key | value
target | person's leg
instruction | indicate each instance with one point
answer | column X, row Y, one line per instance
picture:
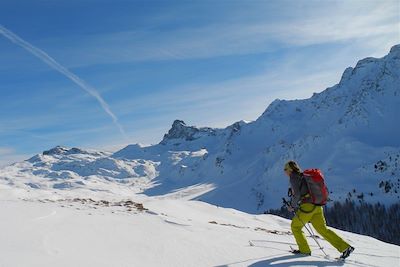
column 318, row 221
column 297, row 225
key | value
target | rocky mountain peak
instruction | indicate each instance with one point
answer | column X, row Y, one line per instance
column 61, row 150
column 180, row 130
column 58, row 150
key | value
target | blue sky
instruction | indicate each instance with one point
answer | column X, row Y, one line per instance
column 209, row 63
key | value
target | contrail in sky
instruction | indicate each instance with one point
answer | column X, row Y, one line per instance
column 58, row 67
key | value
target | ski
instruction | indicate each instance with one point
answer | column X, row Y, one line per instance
column 297, row 252
column 327, row 257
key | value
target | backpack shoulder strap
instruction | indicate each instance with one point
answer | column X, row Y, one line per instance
column 302, row 184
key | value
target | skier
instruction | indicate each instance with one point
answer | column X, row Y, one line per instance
column 309, row 212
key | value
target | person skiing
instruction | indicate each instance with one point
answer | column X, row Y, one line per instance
column 306, row 211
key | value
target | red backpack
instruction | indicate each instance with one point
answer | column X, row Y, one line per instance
column 316, row 186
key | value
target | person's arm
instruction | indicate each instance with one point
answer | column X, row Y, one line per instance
column 295, row 185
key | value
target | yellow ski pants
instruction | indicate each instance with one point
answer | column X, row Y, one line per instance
column 307, row 213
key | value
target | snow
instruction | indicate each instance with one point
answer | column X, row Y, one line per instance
column 172, row 232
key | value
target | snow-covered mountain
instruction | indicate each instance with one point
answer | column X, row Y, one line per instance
column 349, row 130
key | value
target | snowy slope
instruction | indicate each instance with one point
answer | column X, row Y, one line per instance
column 349, row 130
column 92, row 231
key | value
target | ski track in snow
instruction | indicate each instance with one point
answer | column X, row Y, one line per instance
column 188, row 193
column 45, row 216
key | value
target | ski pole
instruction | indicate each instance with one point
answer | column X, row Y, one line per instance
column 310, row 232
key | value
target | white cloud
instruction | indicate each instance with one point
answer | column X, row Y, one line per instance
column 6, row 150
column 323, row 23
column 222, row 103
column 8, row 155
